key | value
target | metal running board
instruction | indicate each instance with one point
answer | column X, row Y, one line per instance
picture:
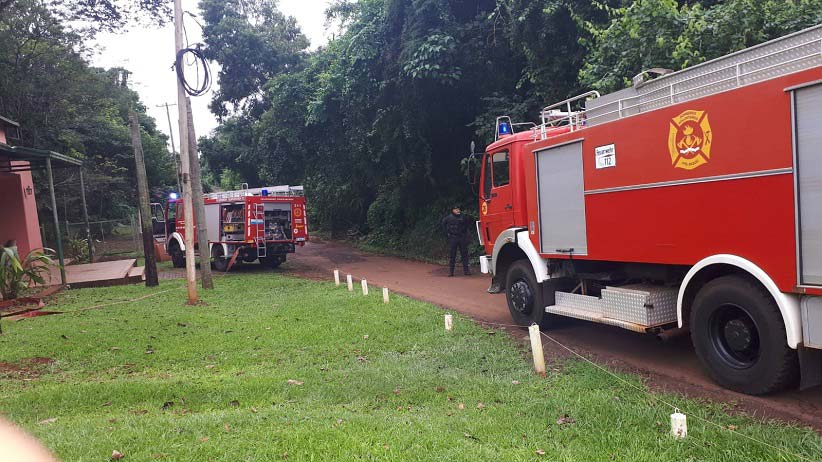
column 586, row 315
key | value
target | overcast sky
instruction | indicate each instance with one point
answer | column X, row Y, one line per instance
column 149, row 54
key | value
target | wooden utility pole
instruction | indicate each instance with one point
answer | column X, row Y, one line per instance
column 144, row 205
column 188, row 209
column 173, row 148
column 199, row 206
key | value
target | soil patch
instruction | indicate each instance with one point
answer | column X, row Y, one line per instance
column 26, row 369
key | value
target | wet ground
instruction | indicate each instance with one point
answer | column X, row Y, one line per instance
column 666, row 366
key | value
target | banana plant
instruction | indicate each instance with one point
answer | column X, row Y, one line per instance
column 17, row 276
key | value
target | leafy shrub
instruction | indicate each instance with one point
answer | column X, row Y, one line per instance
column 17, row 276
column 77, row 250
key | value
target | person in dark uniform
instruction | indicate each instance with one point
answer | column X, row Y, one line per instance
column 456, row 230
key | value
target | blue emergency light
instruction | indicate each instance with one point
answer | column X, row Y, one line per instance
column 504, row 128
column 173, row 196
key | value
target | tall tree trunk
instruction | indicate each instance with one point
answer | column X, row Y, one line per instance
column 144, row 205
column 199, row 206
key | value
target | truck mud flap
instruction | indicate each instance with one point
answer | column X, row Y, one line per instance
column 810, row 366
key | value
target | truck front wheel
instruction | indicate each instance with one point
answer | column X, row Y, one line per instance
column 524, row 295
column 178, row 257
column 739, row 336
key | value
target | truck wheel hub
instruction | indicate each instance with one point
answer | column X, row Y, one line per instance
column 736, row 336
column 521, row 296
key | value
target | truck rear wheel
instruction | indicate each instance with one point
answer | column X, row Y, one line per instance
column 524, row 295
column 273, row 261
column 178, row 257
column 739, row 336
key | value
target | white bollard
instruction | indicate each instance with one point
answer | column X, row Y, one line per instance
column 350, row 283
column 337, row 277
column 449, row 322
column 679, row 425
column 364, row 287
column 385, row 294
column 536, row 350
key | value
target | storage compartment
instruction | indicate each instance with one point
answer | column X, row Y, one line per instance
column 643, row 304
column 278, row 221
column 232, row 222
column 562, row 200
column 808, row 170
column 635, row 307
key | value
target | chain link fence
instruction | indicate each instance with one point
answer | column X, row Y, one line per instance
column 109, row 238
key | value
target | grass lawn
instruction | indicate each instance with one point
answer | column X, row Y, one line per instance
column 155, row 379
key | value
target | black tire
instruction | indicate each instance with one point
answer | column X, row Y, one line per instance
column 739, row 336
column 178, row 258
column 218, row 258
column 524, row 295
column 273, row 261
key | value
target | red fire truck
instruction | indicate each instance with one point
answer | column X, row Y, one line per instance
column 691, row 201
column 262, row 224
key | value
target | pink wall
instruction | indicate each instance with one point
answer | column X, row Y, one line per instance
column 19, row 219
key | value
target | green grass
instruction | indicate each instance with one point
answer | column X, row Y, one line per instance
column 394, row 395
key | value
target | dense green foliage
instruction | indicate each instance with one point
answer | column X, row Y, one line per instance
column 65, row 105
column 156, row 380
column 376, row 122
column 665, row 33
column 99, row 15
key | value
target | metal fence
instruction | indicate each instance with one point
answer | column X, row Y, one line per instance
column 108, row 237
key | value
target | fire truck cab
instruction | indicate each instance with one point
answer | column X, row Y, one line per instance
column 690, row 202
column 246, row 225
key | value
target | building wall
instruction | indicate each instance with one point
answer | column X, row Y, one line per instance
column 18, row 208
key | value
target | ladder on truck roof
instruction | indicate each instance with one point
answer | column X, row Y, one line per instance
column 271, row 191
column 776, row 58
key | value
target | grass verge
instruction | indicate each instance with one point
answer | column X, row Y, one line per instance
column 156, row 379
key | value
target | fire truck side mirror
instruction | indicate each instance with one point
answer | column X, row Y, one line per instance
column 471, row 167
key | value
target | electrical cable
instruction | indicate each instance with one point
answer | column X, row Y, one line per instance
column 199, row 61
column 193, row 56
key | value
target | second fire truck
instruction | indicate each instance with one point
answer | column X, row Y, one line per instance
column 247, row 225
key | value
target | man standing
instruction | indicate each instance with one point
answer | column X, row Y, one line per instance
column 456, row 230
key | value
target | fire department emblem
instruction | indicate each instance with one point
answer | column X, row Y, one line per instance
column 484, row 208
column 690, row 139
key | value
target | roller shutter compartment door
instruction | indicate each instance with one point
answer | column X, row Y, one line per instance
column 808, row 132
column 562, row 200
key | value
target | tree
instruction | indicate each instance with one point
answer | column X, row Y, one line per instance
column 65, row 105
column 376, row 123
column 253, row 42
column 100, row 15
column 665, row 33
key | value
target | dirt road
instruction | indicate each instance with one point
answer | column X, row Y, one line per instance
column 666, row 366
